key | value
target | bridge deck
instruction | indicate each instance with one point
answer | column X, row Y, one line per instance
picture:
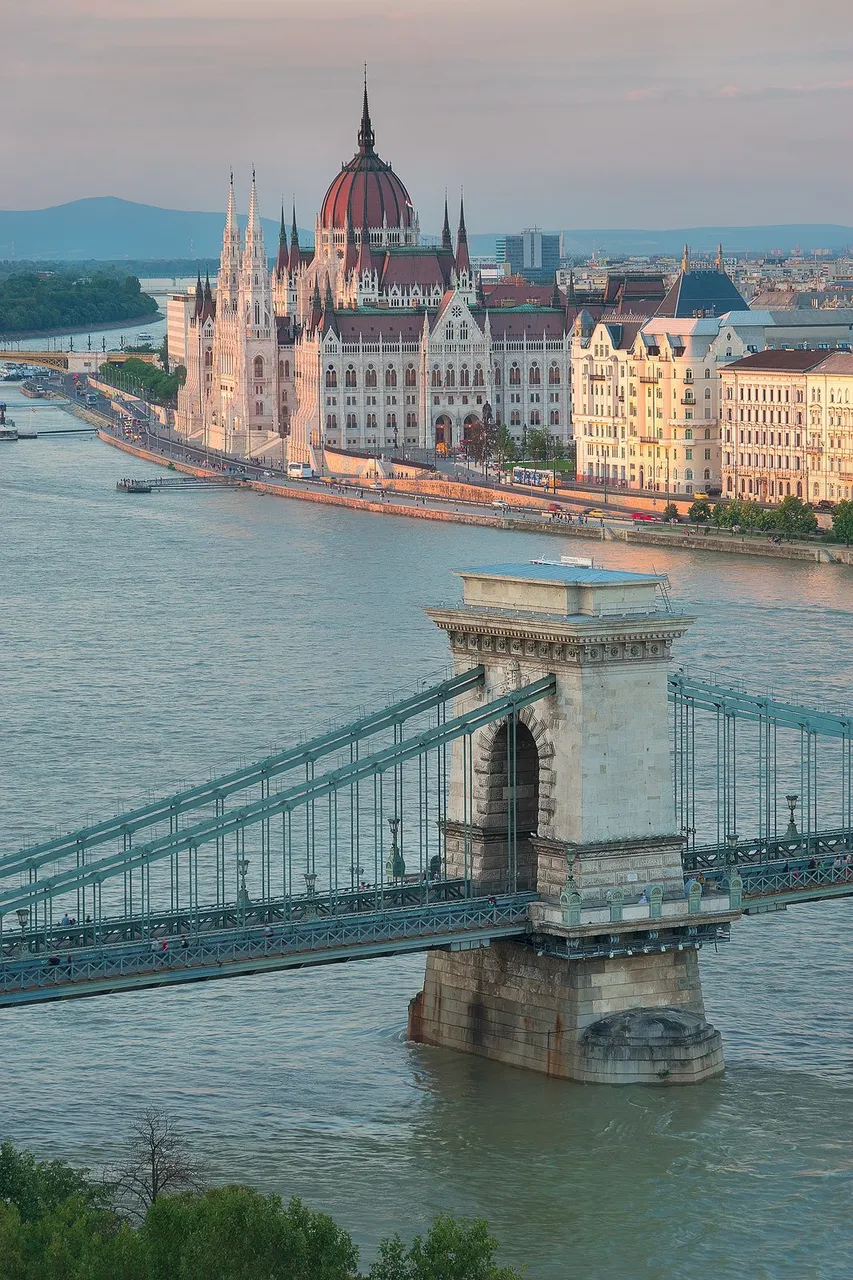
column 100, row 970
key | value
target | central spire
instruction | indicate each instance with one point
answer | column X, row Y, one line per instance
column 366, row 137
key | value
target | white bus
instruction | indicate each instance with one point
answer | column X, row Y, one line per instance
column 299, row 471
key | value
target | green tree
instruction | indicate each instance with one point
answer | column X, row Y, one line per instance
column 794, row 517
column 504, row 445
column 842, row 522
column 670, row 513
column 700, row 511
column 451, row 1250
column 235, row 1233
column 35, row 1187
column 537, row 444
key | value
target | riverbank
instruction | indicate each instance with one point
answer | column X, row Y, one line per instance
column 130, row 322
column 677, row 538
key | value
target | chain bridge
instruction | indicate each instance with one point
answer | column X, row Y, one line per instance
column 558, row 842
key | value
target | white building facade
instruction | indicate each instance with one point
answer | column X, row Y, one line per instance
column 373, row 341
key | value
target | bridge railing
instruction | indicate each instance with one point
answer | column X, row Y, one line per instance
column 110, row 968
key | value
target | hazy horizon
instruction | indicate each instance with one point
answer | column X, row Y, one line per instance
column 624, row 117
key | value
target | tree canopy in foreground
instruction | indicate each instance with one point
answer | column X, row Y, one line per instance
column 59, row 1223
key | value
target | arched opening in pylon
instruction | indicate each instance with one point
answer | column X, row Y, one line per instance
column 513, row 801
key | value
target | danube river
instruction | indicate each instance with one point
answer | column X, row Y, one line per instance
column 146, row 640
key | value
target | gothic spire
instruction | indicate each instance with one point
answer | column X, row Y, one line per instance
column 208, row 292
column 366, row 137
column 463, row 261
column 446, row 241
column 282, row 261
column 295, row 253
column 720, row 265
column 199, row 296
column 328, row 300
column 685, row 258
column 231, row 215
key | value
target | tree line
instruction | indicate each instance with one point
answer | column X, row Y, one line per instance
column 144, row 379
column 792, row 518
column 151, row 1216
column 32, row 301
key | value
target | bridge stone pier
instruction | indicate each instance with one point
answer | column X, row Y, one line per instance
column 573, row 800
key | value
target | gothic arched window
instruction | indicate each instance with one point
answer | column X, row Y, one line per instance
column 535, row 378
column 411, row 377
column 497, row 377
column 436, row 377
column 390, row 377
column 450, row 377
column 478, row 375
column 350, row 379
column 331, row 376
column 464, row 376
column 258, row 366
column 515, row 375
column 554, row 375
column 370, row 376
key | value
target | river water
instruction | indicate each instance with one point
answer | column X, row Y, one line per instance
column 148, row 640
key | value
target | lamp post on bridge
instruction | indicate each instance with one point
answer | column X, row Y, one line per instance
column 731, row 849
column 395, row 867
column 243, row 899
column 792, row 833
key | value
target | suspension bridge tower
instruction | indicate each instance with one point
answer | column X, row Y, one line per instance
column 572, row 799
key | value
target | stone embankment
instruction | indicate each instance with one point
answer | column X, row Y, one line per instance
column 676, row 538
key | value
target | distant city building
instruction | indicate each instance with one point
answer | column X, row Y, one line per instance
column 647, row 391
column 373, row 341
column 534, row 255
column 788, row 426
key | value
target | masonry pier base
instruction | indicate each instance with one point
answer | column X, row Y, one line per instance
column 626, row 1020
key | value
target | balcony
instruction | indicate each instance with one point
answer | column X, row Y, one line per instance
column 814, row 448
column 652, row 379
column 650, row 440
column 688, row 400
column 597, row 377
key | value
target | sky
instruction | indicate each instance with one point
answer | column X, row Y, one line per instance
column 559, row 113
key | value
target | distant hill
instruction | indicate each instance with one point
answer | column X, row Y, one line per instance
column 109, row 229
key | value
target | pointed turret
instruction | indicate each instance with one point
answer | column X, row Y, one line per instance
column 231, row 258
column 282, row 261
column 570, row 296
column 685, row 259
column 295, row 251
column 208, row 306
column 328, row 299
column 446, row 241
column 557, row 299
column 463, row 261
column 719, row 264
column 316, row 306
column 199, row 298
column 366, row 136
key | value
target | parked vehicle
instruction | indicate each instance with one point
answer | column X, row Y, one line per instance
column 647, row 517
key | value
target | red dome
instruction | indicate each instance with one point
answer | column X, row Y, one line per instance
column 366, row 188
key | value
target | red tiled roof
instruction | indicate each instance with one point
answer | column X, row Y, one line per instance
column 407, row 268
column 369, row 325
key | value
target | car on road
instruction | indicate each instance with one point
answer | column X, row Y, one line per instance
column 647, row 516
column 598, row 514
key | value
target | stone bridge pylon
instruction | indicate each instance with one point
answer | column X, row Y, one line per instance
column 573, row 800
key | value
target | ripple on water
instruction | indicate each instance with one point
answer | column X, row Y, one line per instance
column 149, row 642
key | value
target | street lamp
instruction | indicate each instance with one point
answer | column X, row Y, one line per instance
column 792, row 833
column 23, row 914
column 396, row 867
column 731, row 849
column 310, row 883
column 243, row 899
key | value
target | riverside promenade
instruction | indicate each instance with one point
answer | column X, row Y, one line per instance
column 432, row 499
